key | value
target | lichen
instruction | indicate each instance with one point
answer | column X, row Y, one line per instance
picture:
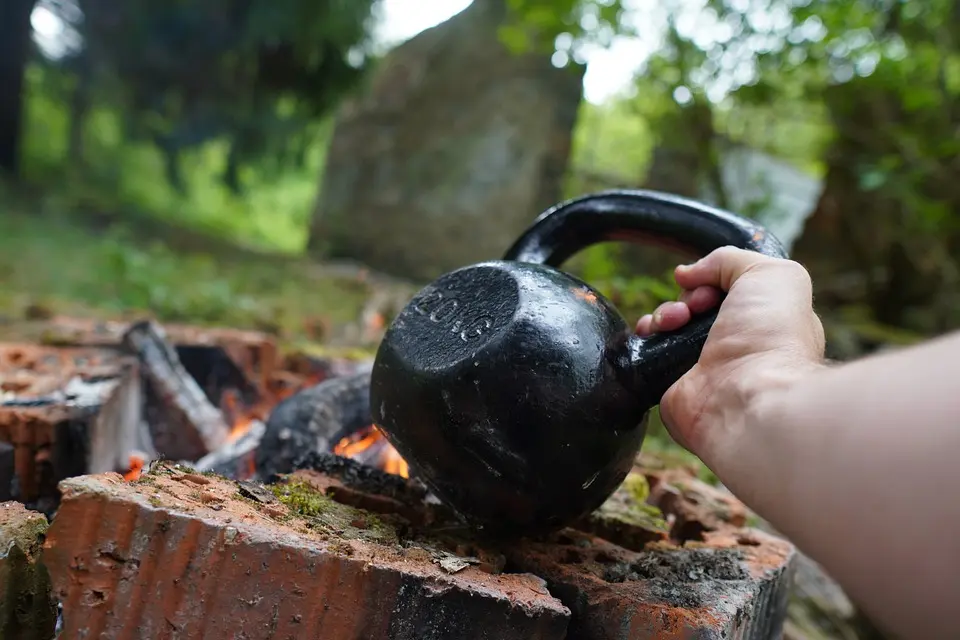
column 319, row 512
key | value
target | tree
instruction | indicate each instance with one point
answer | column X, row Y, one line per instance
column 15, row 31
column 254, row 73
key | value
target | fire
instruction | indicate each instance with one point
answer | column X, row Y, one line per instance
column 135, row 467
column 367, row 445
column 370, row 447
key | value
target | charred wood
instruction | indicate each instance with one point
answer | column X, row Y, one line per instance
column 314, row 420
column 237, row 458
column 184, row 423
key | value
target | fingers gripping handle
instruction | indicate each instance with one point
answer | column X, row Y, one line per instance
column 654, row 364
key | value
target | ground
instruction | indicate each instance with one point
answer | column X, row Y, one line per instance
column 61, row 261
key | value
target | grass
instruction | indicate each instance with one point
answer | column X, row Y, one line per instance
column 55, row 259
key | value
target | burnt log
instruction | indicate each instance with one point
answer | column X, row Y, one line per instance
column 218, row 358
column 7, row 471
column 314, row 420
column 183, row 422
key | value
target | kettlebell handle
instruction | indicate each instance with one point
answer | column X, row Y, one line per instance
column 637, row 216
column 650, row 365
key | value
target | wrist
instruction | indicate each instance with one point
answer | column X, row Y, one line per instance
column 750, row 425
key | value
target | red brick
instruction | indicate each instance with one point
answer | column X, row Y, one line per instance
column 254, row 352
column 691, row 505
column 27, row 608
column 168, row 557
column 733, row 585
column 36, row 412
column 625, row 519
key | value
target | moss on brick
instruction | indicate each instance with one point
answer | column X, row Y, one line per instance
column 28, row 610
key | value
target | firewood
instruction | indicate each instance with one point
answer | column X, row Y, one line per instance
column 189, row 426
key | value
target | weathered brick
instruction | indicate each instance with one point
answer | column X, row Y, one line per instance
column 732, row 585
column 181, row 555
column 691, row 505
column 50, row 401
column 27, row 608
column 254, row 352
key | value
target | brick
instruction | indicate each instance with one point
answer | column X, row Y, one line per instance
column 731, row 585
column 254, row 352
column 27, row 608
column 627, row 579
column 626, row 518
column 181, row 555
column 50, row 407
column 691, row 505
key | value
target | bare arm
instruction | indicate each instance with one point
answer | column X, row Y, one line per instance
column 856, row 463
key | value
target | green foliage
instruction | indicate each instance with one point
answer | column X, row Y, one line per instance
column 128, row 177
column 611, row 141
column 252, row 75
column 562, row 26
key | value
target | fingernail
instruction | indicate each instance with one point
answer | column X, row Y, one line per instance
column 657, row 317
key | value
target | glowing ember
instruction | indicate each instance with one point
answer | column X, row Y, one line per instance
column 368, row 445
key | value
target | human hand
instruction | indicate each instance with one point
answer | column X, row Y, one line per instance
column 765, row 336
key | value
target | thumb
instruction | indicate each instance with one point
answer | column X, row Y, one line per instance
column 719, row 268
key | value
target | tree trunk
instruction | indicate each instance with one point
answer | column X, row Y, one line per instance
column 15, row 34
column 79, row 106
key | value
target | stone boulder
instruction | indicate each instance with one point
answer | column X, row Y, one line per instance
column 450, row 151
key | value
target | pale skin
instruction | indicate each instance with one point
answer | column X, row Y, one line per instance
column 857, row 463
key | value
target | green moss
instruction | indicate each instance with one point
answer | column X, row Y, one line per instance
column 27, row 607
column 320, row 512
column 27, row 535
column 637, row 486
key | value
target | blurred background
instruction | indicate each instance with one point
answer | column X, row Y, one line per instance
column 301, row 167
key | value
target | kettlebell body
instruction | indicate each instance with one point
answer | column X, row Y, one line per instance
column 516, row 391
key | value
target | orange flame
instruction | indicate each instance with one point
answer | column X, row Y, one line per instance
column 387, row 458
column 395, row 464
column 135, row 467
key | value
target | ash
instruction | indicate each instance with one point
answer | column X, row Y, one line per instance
column 682, row 565
column 673, row 574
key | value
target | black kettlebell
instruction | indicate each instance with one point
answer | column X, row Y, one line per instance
column 517, row 392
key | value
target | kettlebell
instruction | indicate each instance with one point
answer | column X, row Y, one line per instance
column 516, row 392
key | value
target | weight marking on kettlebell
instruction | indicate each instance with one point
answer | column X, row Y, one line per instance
column 476, row 328
column 441, row 310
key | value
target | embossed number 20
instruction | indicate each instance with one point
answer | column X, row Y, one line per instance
column 444, row 310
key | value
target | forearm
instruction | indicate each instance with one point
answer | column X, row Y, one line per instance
column 858, row 465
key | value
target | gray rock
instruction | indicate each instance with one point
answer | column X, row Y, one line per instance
column 451, row 150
